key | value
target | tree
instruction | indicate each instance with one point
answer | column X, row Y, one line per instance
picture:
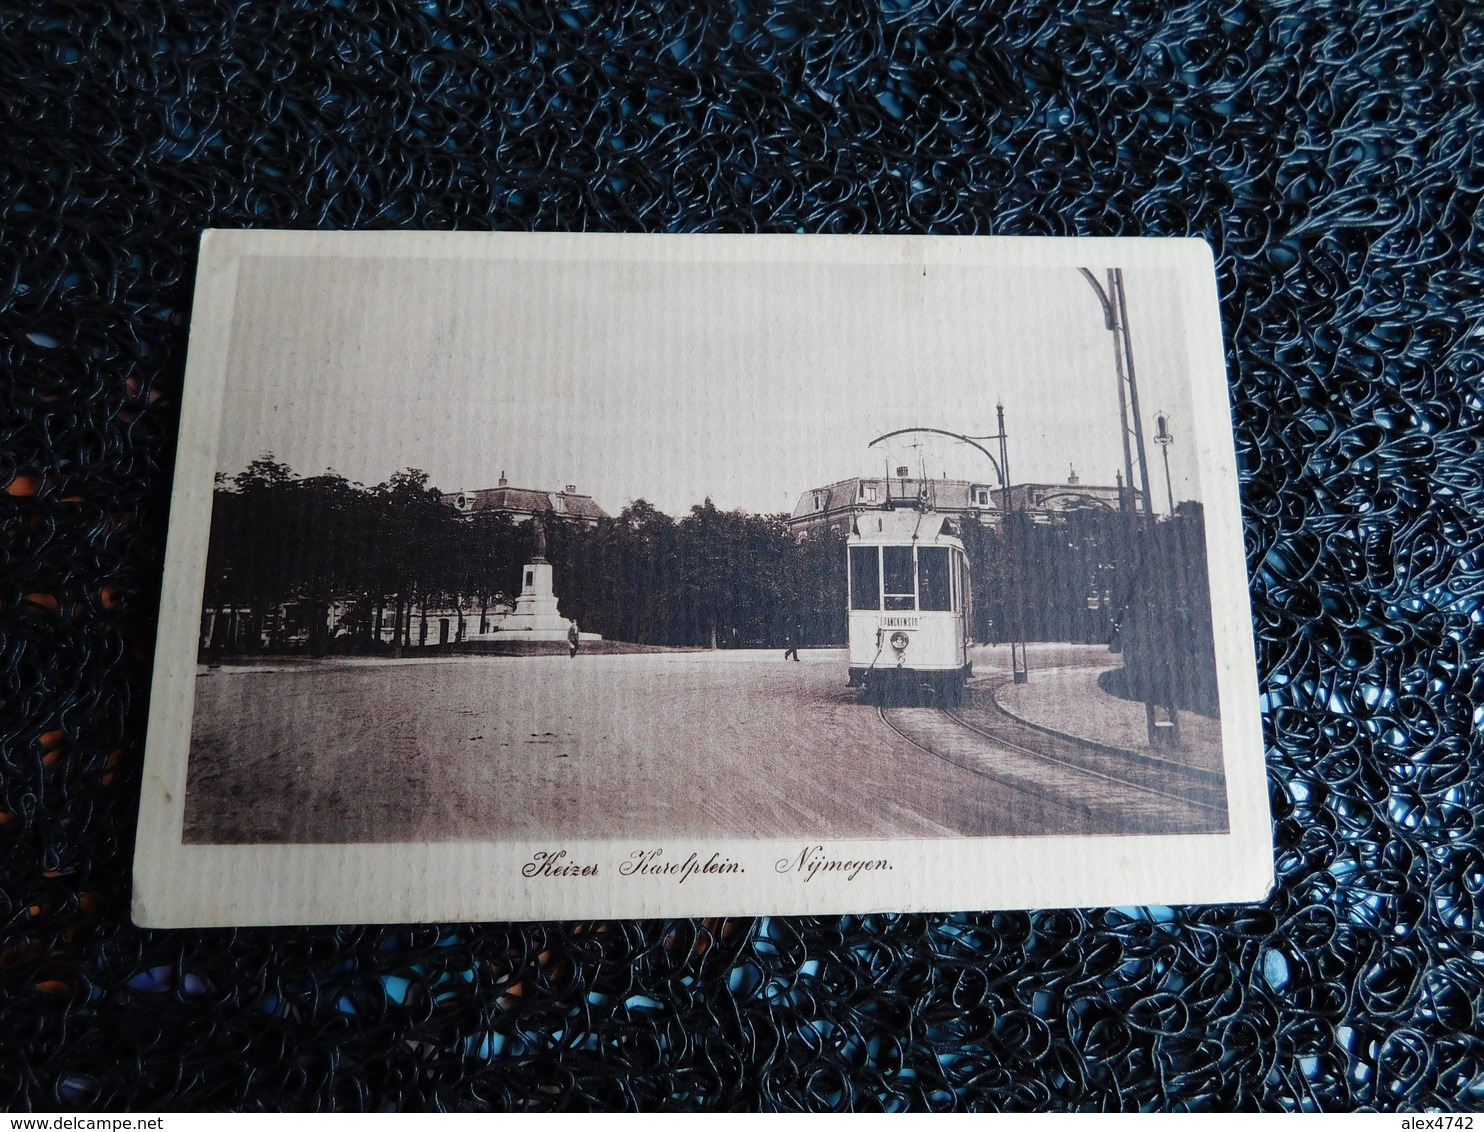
column 285, row 550
column 414, row 541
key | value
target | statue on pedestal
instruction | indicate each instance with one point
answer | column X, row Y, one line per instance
column 536, row 617
column 540, row 555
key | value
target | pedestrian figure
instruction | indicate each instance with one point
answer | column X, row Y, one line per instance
column 792, row 641
column 573, row 637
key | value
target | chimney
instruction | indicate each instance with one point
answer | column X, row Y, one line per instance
column 571, row 489
column 503, row 481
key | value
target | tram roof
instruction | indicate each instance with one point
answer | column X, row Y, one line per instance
column 904, row 526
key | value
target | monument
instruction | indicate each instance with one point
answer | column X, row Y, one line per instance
column 536, row 616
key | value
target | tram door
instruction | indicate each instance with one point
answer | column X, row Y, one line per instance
column 965, row 611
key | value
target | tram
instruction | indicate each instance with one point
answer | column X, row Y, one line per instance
column 909, row 607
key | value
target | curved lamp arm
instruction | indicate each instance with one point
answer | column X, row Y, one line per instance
column 1102, row 295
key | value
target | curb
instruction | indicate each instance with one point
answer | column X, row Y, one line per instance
column 1153, row 762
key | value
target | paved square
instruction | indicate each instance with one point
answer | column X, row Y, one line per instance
column 726, row 744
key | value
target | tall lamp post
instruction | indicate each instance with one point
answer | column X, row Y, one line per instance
column 1115, row 318
column 1019, row 666
column 1157, row 679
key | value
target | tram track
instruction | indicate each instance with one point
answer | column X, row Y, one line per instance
column 1091, row 787
column 916, row 727
column 1085, row 758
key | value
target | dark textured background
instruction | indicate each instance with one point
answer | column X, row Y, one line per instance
column 1332, row 160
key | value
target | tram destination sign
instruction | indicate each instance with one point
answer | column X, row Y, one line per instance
column 518, row 576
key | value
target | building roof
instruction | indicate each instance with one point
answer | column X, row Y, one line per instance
column 1066, row 497
column 834, row 506
column 526, row 501
column 942, row 494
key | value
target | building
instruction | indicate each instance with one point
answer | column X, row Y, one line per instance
column 835, row 507
column 1046, row 500
column 522, row 504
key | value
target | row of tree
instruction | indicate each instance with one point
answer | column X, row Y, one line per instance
column 1099, row 576
column 287, row 551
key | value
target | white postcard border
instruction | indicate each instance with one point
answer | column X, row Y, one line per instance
column 189, row 885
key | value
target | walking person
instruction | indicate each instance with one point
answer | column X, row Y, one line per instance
column 573, row 637
column 792, row 641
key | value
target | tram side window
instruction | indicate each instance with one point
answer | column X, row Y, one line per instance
column 933, row 592
column 896, row 569
column 865, row 578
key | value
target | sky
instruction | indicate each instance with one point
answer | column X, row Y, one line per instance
column 745, row 383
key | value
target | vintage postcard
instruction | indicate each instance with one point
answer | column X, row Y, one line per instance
column 521, row 576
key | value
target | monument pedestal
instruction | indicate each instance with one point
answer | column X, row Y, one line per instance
column 536, row 617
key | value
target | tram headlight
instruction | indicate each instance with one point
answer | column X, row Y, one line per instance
column 899, row 641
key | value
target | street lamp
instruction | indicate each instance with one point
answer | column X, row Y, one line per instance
column 1157, row 678
column 1115, row 317
column 1164, row 439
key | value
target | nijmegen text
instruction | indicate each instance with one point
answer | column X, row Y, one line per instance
column 812, row 861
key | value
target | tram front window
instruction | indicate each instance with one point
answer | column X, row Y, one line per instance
column 896, row 569
column 933, row 592
column 865, row 578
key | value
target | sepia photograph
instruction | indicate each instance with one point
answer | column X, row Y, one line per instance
column 558, row 549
